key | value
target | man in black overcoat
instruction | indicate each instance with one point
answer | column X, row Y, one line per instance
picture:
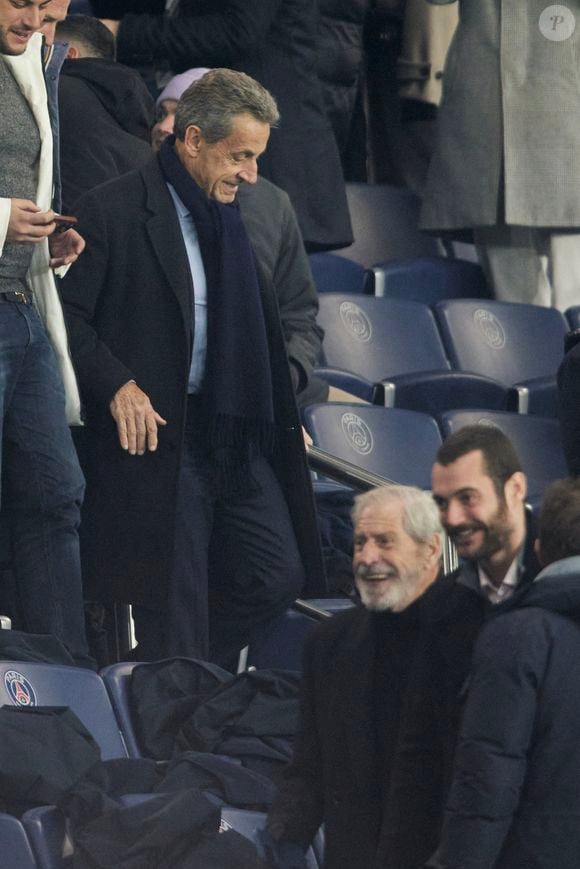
column 381, row 698
column 198, row 489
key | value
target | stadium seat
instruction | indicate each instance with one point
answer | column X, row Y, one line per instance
column 30, row 684
column 536, row 439
column 389, row 351
column 280, row 645
column 385, row 225
column 117, row 678
column 573, row 317
column 335, row 274
column 397, row 444
column 46, row 830
column 516, row 344
column 15, row 849
column 248, row 823
column 430, row 279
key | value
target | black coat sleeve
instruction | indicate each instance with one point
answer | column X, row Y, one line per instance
column 99, row 372
column 298, row 301
column 184, row 41
column 496, row 733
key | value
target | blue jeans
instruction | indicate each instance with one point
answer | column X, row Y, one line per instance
column 42, row 485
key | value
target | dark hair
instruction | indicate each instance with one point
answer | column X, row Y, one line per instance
column 94, row 38
column 500, row 459
column 559, row 523
column 212, row 102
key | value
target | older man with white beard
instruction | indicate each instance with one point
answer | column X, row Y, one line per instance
column 381, row 698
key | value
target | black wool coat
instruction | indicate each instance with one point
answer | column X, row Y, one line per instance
column 335, row 775
column 128, row 308
column 275, row 42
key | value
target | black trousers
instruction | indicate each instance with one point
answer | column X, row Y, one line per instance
column 236, row 563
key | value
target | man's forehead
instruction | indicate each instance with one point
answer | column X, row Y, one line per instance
column 57, row 10
column 379, row 518
column 466, row 472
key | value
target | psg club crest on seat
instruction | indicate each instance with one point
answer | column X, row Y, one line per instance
column 19, row 689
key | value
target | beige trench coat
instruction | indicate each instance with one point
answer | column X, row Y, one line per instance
column 511, row 99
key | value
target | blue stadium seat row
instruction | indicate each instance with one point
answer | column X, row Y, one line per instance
column 462, row 354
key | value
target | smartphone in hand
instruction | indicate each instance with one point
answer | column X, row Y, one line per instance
column 64, row 222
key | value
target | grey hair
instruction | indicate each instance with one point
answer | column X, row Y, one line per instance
column 212, row 102
column 420, row 513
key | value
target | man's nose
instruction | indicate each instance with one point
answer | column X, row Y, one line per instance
column 33, row 16
column 368, row 554
column 249, row 173
column 453, row 515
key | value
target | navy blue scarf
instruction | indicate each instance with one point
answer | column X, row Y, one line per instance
column 238, row 381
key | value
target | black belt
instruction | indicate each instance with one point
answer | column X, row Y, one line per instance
column 16, row 296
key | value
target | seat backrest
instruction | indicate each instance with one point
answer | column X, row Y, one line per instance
column 30, row 684
column 573, row 317
column 507, row 342
column 117, row 679
column 47, row 831
column 335, row 274
column 430, row 280
column 397, row 444
column 385, row 222
column 379, row 338
column 536, row 439
column 247, row 824
column 15, row 849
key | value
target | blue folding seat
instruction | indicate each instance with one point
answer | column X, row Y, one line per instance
column 573, row 317
column 248, row 824
column 46, row 829
column 536, row 439
column 430, row 279
column 389, row 351
column 385, row 222
column 117, row 679
column 335, row 274
column 516, row 344
column 399, row 445
column 15, row 849
column 28, row 684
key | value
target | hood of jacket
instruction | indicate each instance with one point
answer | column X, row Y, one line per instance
column 119, row 89
column 556, row 588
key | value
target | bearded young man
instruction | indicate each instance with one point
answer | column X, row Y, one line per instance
column 480, row 489
column 381, row 699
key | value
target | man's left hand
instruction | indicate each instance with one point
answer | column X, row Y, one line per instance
column 65, row 248
column 308, row 442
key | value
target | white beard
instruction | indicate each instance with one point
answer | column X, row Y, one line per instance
column 391, row 595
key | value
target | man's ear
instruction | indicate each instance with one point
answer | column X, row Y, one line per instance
column 73, row 53
column 192, row 140
column 433, row 549
column 516, row 487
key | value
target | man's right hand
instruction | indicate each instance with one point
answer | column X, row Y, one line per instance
column 27, row 223
column 136, row 419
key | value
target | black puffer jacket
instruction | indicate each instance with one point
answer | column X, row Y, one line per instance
column 515, row 800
